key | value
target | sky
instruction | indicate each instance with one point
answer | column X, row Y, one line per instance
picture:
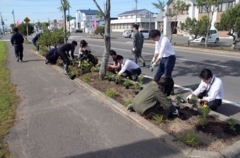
column 44, row 10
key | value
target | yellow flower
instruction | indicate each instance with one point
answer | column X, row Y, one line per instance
column 127, row 77
column 116, row 71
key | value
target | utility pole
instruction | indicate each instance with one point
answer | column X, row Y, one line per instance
column 69, row 19
column 13, row 18
column 2, row 24
column 136, row 11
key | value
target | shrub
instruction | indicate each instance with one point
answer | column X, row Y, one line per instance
column 189, row 138
column 23, row 29
column 100, row 30
column 232, row 123
column 111, row 92
column 157, row 118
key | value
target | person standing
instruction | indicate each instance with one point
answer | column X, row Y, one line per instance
column 138, row 40
column 164, row 54
column 34, row 41
column 63, row 52
column 17, row 41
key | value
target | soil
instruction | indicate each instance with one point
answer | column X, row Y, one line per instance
column 215, row 136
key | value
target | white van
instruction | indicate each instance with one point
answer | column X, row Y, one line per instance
column 213, row 37
column 144, row 32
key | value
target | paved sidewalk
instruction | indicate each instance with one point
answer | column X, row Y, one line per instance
column 57, row 118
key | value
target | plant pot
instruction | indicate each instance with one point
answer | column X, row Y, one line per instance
column 127, row 87
column 136, row 92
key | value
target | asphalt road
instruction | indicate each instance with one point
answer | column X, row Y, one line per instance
column 57, row 118
column 187, row 68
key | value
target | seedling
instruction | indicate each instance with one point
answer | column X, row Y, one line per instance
column 140, row 80
column 179, row 99
column 86, row 78
column 117, row 79
column 203, row 117
column 94, row 69
column 232, row 123
column 157, row 118
column 109, row 76
column 111, row 92
column 193, row 101
column 136, row 86
column 189, row 138
column 127, row 83
column 128, row 101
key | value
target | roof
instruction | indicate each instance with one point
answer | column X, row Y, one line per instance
column 131, row 12
column 88, row 12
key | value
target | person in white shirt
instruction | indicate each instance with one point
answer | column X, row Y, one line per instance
column 210, row 90
column 128, row 68
column 164, row 55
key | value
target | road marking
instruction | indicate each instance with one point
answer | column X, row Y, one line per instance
column 190, row 90
column 222, row 66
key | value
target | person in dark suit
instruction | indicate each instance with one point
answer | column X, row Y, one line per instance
column 17, row 41
column 138, row 40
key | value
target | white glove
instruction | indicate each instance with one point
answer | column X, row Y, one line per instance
column 133, row 49
column 189, row 97
column 152, row 66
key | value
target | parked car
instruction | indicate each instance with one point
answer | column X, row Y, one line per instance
column 127, row 33
column 145, row 33
column 78, row 31
column 213, row 37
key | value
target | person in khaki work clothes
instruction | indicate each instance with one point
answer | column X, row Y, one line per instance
column 152, row 96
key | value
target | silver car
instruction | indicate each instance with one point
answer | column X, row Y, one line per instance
column 127, row 33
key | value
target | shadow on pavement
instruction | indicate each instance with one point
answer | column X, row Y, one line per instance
column 148, row 148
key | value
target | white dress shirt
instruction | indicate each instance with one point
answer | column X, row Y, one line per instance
column 128, row 65
column 163, row 47
column 215, row 92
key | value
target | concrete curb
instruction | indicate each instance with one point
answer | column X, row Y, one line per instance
column 229, row 152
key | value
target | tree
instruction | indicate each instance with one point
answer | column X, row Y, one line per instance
column 100, row 15
column 107, row 40
column 45, row 25
column 195, row 28
column 100, row 30
column 64, row 7
column 12, row 26
column 230, row 20
column 23, row 29
column 178, row 7
column 209, row 6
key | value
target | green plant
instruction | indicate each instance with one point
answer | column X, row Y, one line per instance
column 232, row 123
column 190, row 138
column 111, row 92
column 109, row 76
column 86, row 78
column 157, row 118
column 23, row 29
column 54, row 38
column 86, row 65
column 100, row 30
column 127, row 82
column 117, row 79
column 178, row 98
column 94, row 69
column 203, row 117
column 136, row 86
column 193, row 101
column 128, row 101
column 140, row 80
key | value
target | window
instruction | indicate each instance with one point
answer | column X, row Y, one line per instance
column 224, row 6
column 204, row 9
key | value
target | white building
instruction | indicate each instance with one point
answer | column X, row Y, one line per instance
column 193, row 12
column 85, row 20
column 125, row 20
column 72, row 24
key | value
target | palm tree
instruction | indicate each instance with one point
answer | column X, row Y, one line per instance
column 64, row 7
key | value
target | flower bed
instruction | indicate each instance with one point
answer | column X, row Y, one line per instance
column 198, row 129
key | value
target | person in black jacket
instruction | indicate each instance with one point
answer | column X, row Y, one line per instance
column 17, row 41
column 88, row 56
column 63, row 52
column 52, row 56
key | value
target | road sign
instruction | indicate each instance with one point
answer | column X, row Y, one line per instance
column 27, row 20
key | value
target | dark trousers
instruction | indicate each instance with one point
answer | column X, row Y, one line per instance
column 19, row 51
column 213, row 105
column 132, row 74
column 36, row 45
column 138, row 56
column 165, row 67
column 64, row 57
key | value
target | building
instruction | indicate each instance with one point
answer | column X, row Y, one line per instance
column 87, row 20
column 193, row 12
column 56, row 24
column 71, row 24
column 143, row 17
